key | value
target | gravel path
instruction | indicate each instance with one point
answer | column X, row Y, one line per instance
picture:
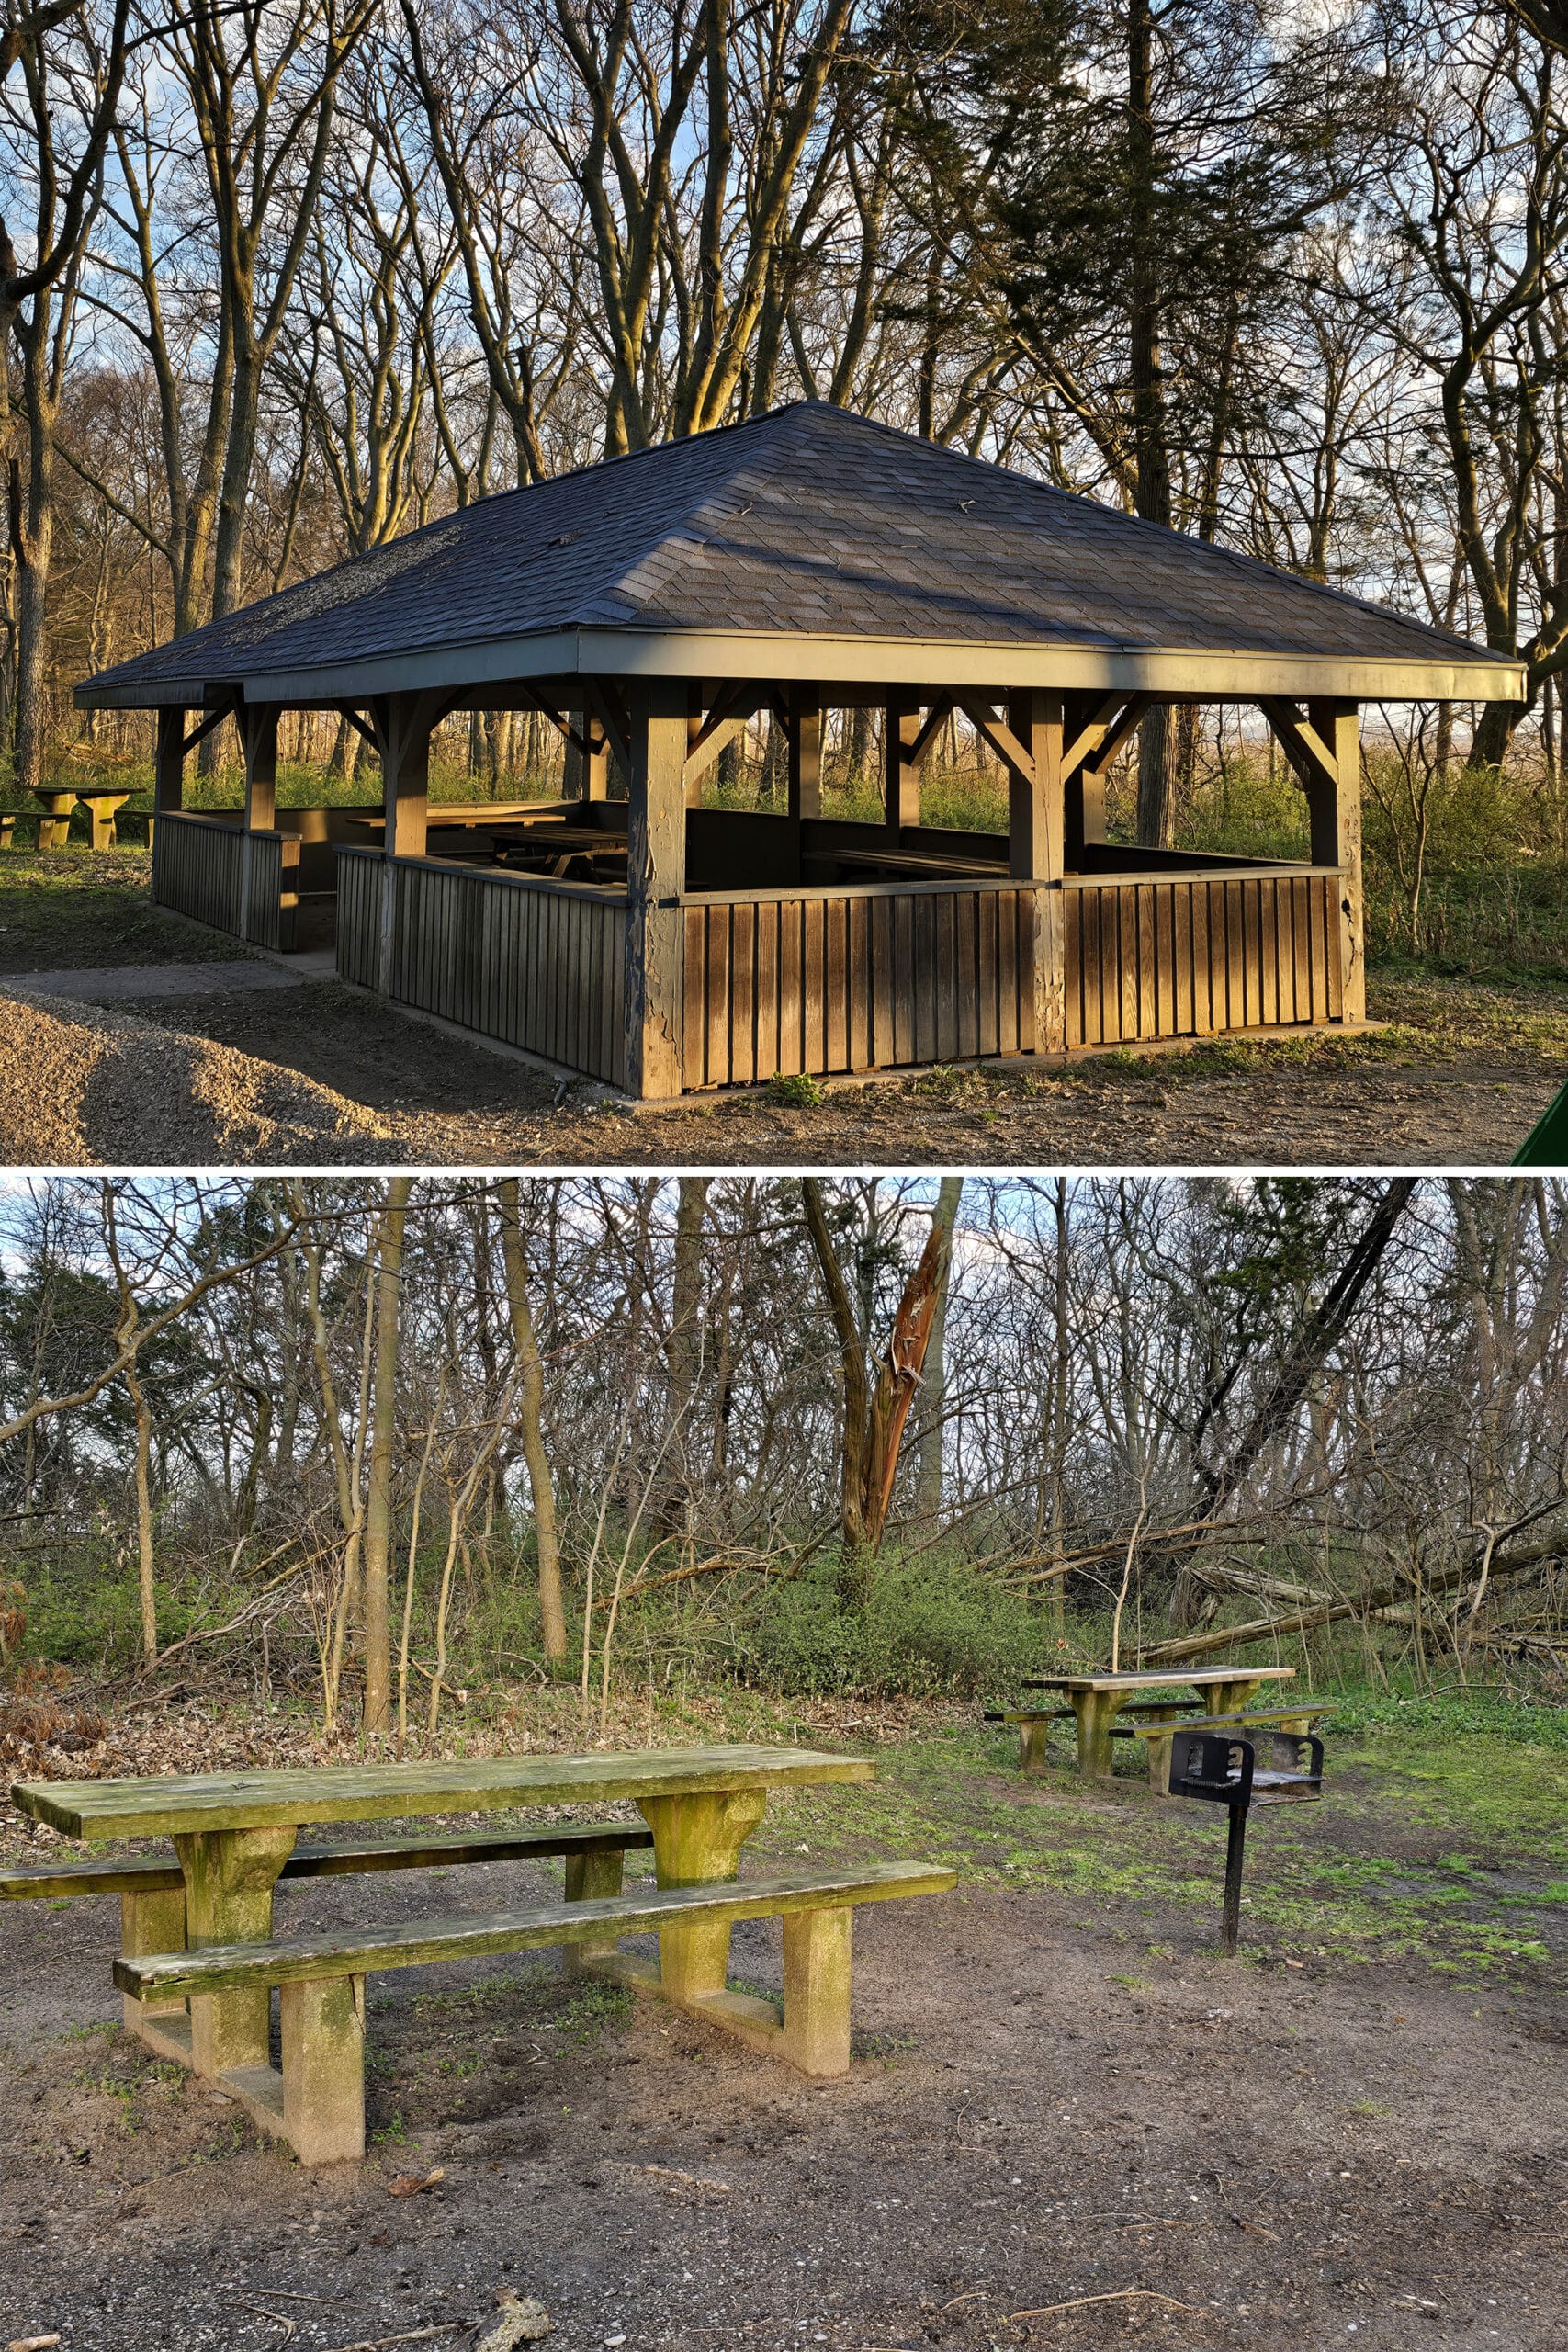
column 82, row 1086
column 110, row 984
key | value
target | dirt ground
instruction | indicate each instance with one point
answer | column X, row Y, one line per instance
column 1458, row 1079
column 1069, row 2122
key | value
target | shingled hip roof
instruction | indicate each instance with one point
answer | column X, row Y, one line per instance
column 810, row 543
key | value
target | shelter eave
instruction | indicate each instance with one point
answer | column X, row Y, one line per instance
column 1209, row 672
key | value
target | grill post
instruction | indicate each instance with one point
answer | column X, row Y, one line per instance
column 1234, row 1845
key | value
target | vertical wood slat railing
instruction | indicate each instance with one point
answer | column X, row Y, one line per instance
column 889, row 977
column 196, row 869
column 536, row 964
column 360, row 899
column 878, row 976
column 246, row 885
column 272, row 891
column 1197, row 956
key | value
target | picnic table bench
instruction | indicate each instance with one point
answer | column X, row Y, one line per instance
column 208, row 1941
column 1097, row 1700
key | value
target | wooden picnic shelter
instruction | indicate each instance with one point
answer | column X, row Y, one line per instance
column 651, row 607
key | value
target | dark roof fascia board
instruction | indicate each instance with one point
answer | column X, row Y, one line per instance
column 912, row 661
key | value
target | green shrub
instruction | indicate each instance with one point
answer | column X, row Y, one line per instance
column 928, row 1628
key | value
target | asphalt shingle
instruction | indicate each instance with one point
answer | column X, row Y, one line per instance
column 808, row 520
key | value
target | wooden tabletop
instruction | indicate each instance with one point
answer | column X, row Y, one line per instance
column 166, row 1807
column 1187, row 1676
column 917, row 861
column 442, row 814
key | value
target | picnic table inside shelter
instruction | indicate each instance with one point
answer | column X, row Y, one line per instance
column 233, row 1833
column 1098, row 1698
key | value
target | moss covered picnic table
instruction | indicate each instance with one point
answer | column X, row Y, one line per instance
column 1097, row 1700
column 209, row 1929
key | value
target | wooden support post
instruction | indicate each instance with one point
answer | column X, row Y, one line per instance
column 1032, row 1754
column 817, row 1991
column 1335, row 813
column 153, row 1922
column 402, row 725
column 590, row 1877
column 697, row 1842
column 902, row 775
column 169, row 764
column 656, row 874
column 805, row 765
column 257, row 725
column 229, row 1876
column 323, row 2069
column 595, row 760
column 1035, row 853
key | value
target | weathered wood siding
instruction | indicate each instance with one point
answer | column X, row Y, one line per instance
column 204, row 867
column 196, row 869
column 888, row 978
column 871, row 978
column 1196, row 957
column 272, row 896
column 537, row 964
column 359, row 916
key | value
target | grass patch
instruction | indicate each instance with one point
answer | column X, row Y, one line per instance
column 86, row 908
column 1403, row 1860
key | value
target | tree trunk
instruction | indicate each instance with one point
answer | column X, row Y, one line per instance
column 541, row 1486
column 1147, row 365
column 685, row 1345
column 933, row 1381
column 377, row 1714
column 145, row 1563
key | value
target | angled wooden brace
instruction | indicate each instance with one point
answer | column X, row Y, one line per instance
column 730, row 714
column 611, row 719
column 1098, row 743
column 997, row 733
column 1301, row 742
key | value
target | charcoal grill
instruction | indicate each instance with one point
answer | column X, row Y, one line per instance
column 1215, row 1767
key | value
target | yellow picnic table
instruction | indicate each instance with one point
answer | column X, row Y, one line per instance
column 104, row 800
column 233, row 1832
column 1096, row 1701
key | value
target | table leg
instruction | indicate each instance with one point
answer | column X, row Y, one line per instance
column 229, row 1875
column 1095, row 1711
column 1231, row 1697
column 57, row 823
column 106, row 833
column 697, row 1842
column 149, row 1923
column 1159, row 1752
column 590, row 1877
